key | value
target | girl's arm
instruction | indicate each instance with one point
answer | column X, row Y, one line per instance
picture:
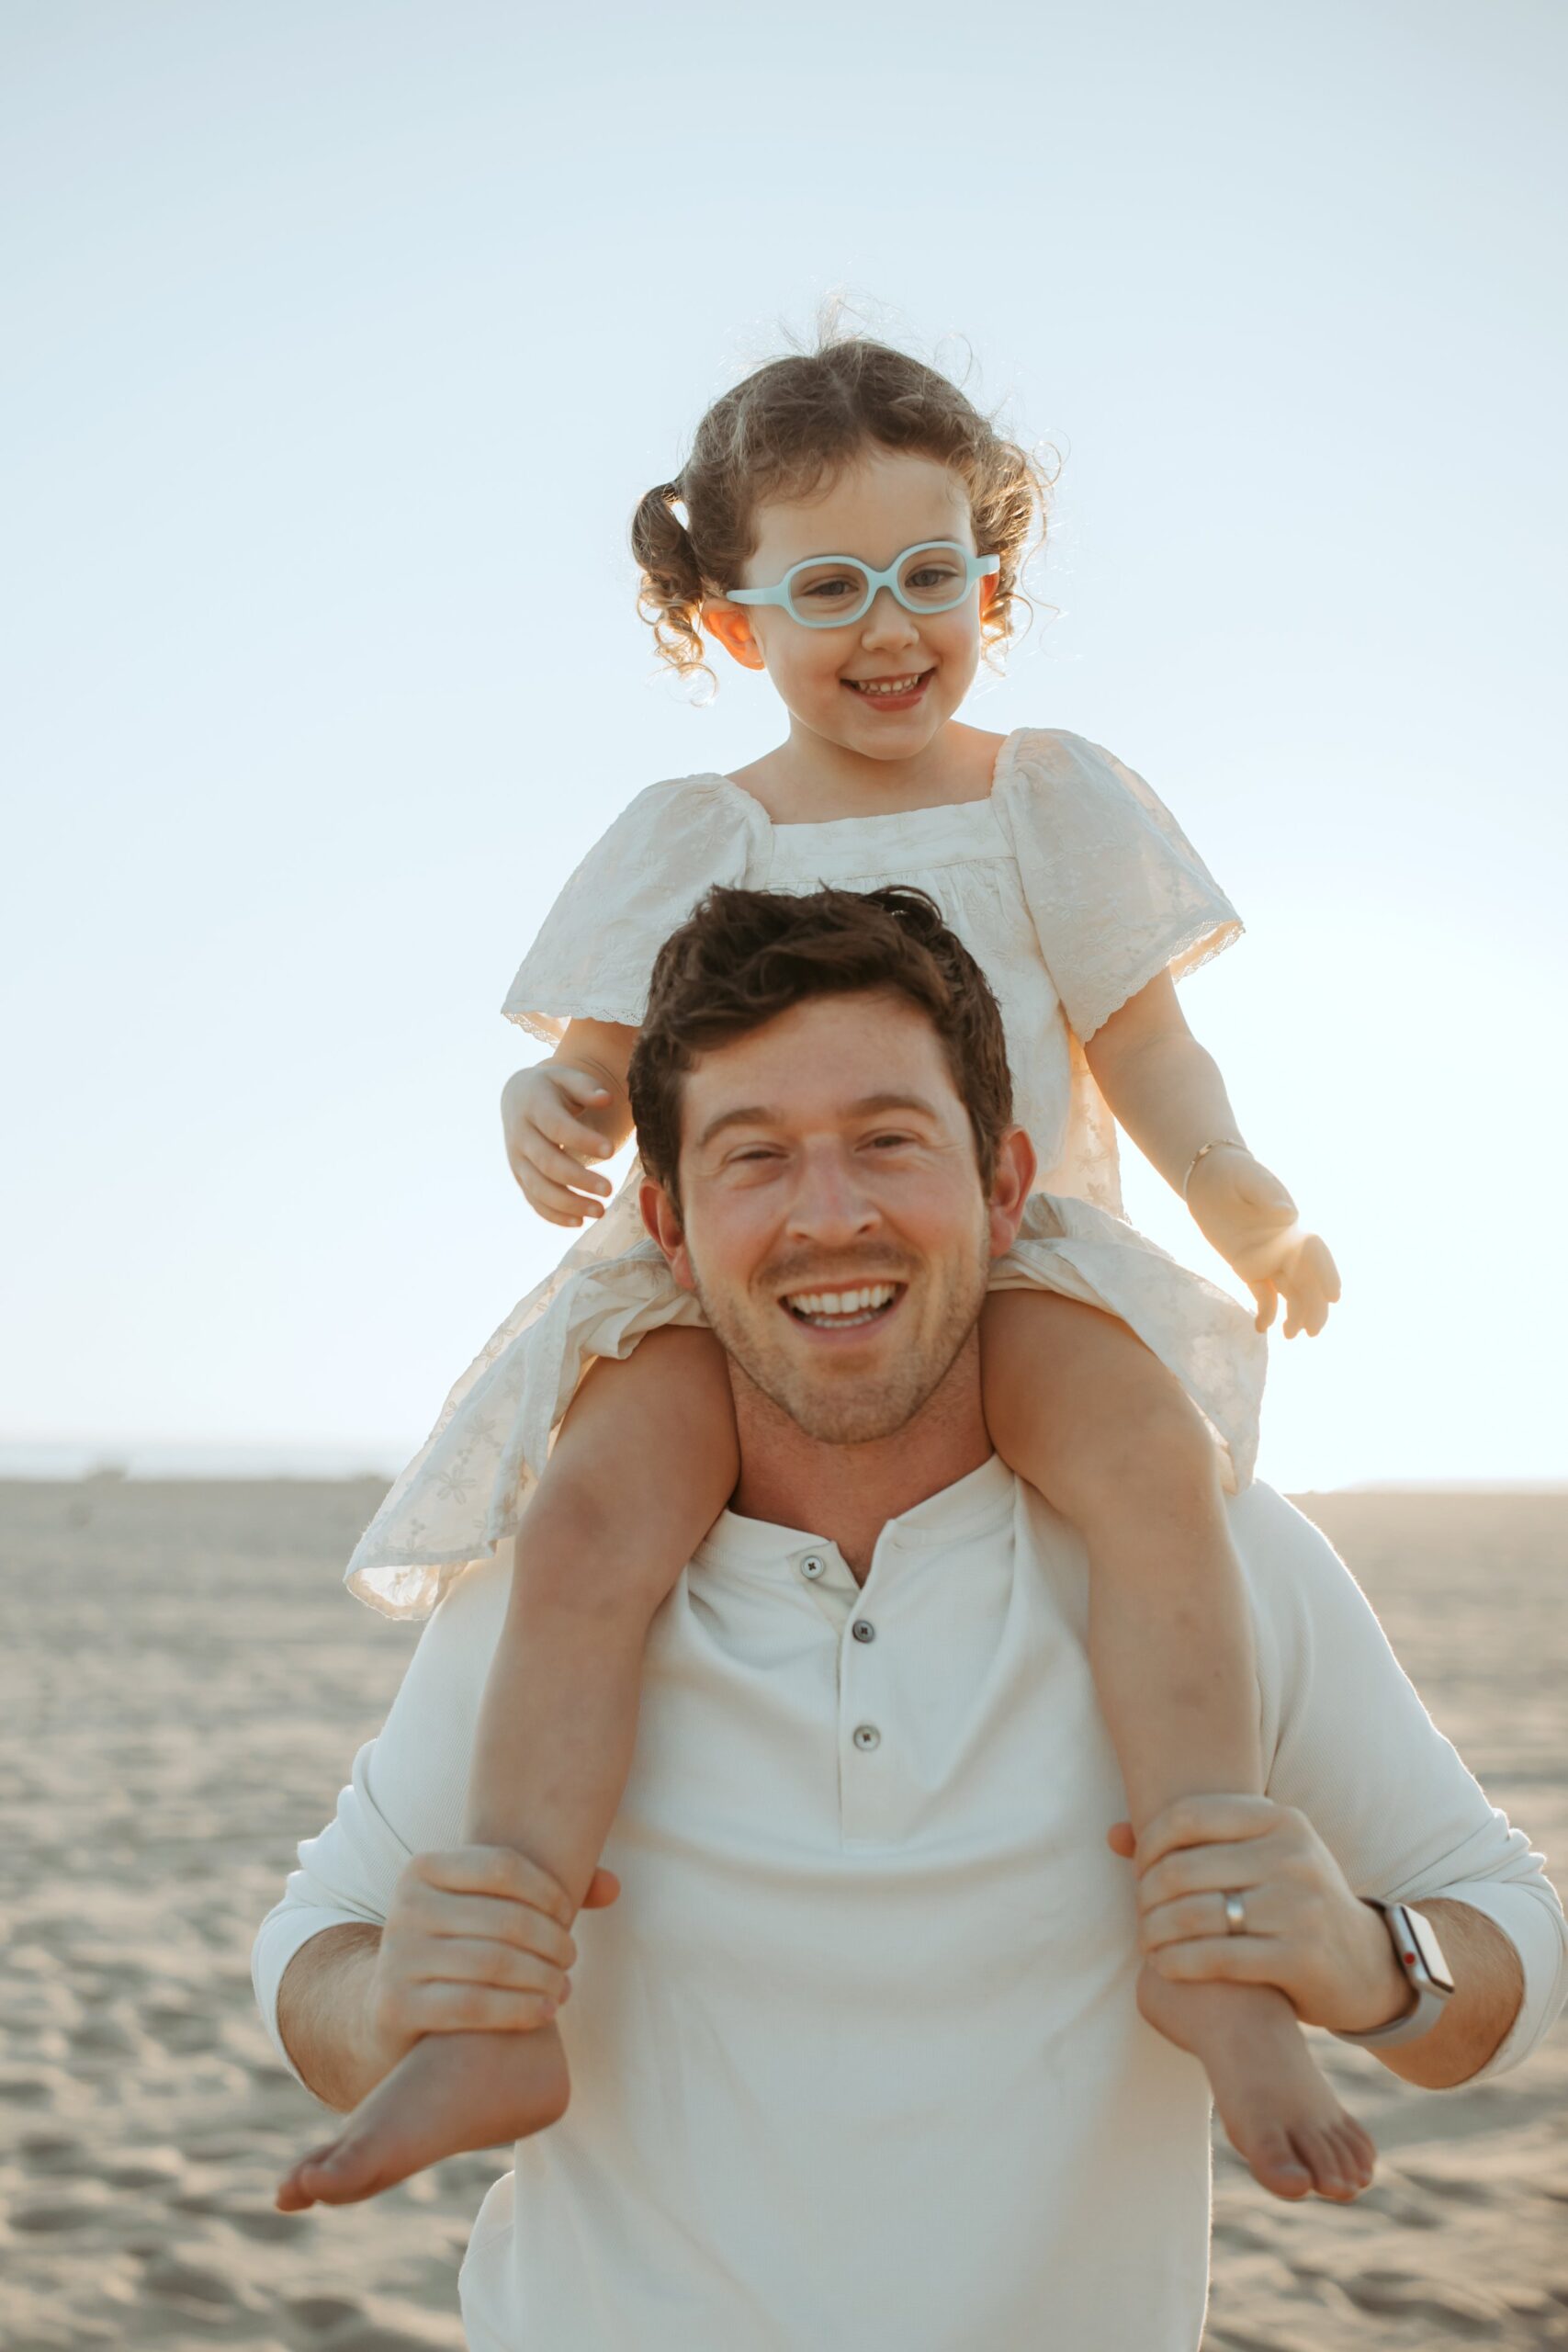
column 1167, row 1090
column 562, row 1114
column 1162, row 1086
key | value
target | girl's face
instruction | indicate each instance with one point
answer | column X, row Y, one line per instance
column 882, row 686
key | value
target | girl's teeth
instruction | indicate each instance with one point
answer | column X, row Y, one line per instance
column 887, row 685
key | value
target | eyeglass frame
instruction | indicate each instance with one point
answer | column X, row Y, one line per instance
column 977, row 566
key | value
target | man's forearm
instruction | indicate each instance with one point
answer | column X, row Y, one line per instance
column 1489, row 1985
column 323, row 2012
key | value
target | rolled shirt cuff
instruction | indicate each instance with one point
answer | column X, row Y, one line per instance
column 1532, row 1920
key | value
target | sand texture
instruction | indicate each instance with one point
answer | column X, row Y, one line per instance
column 184, row 1684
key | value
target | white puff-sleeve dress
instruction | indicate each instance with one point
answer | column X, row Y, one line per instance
column 1072, row 886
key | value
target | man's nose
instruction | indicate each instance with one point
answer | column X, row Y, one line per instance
column 830, row 1204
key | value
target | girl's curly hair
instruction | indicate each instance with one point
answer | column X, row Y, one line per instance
column 781, row 433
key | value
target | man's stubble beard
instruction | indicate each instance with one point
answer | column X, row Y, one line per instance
column 847, row 1411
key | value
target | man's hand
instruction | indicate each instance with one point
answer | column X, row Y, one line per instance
column 1251, row 1220
column 475, row 1941
column 1306, row 1931
column 547, row 1114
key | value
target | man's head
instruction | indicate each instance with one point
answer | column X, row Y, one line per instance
column 824, row 1109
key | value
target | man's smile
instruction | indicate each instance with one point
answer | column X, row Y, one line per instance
column 843, row 1308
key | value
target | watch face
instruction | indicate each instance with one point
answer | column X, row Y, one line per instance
column 1429, row 1951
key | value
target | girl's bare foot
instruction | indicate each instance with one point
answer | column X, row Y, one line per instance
column 451, row 2092
column 1278, row 2111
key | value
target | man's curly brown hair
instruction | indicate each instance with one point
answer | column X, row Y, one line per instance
column 745, row 957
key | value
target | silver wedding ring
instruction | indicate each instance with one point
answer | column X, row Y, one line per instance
column 1236, row 1915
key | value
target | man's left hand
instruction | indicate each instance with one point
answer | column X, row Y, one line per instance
column 1304, row 1930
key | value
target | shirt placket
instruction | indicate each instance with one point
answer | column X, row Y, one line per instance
column 867, row 1740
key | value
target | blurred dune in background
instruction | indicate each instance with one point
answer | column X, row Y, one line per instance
column 185, row 1683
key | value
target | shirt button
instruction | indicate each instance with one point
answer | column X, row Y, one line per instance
column 813, row 1568
column 867, row 1736
column 863, row 1630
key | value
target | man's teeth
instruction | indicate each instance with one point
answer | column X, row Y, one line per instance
column 838, row 1307
column 887, row 685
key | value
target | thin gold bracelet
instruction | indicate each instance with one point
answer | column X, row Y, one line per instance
column 1220, row 1143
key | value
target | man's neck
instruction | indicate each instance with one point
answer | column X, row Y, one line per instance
column 848, row 1493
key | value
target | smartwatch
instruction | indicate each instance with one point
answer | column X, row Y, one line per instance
column 1420, row 1955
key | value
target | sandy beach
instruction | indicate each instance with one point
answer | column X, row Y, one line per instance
column 185, row 1684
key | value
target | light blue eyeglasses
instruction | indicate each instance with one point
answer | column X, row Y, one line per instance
column 829, row 590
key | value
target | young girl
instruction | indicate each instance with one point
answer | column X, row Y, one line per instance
column 852, row 526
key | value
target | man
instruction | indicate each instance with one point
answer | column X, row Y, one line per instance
column 856, row 2059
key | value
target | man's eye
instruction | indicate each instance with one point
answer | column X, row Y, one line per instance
column 888, row 1142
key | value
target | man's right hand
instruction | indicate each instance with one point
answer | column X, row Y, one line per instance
column 475, row 1941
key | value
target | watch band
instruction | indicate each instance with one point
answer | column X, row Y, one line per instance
column 1431, row 1997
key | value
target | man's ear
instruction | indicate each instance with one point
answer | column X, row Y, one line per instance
column 1010, row 1189
column 663, row 1219
column 732, row 626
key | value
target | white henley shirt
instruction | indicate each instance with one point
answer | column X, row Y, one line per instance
column 855, row 2058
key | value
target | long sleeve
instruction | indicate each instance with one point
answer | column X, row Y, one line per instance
column 1354, row 1748
column 406, row 1795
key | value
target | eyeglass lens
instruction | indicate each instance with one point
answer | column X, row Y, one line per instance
column 929, row 579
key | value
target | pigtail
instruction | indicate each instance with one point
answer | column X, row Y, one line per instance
column 670, row 597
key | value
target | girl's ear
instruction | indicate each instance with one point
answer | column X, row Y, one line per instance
column 732, row 627
column 987, row 592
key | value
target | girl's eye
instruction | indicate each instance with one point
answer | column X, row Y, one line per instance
column 932, row 578
column 829, row 591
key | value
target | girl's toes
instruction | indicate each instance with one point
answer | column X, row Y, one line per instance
column 295, row 2190
column 1359, row 2155
column 1333, row 2174
column 1276, row 2163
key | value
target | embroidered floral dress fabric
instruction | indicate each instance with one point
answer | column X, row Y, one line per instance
column 1072, row 886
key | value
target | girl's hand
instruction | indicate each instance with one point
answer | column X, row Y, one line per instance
column 546, row 1113
column 1252, row 1221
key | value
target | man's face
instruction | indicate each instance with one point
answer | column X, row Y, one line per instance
column 832, row 1220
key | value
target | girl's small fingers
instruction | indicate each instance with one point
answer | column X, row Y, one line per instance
column 561, row 1128
column 560, row 1168
column 552, row 1202
column 577, row 1085
column 1308, row 1311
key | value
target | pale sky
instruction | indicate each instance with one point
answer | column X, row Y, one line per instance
column 341, row 341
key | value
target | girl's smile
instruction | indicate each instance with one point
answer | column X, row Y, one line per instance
column 892, row 694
